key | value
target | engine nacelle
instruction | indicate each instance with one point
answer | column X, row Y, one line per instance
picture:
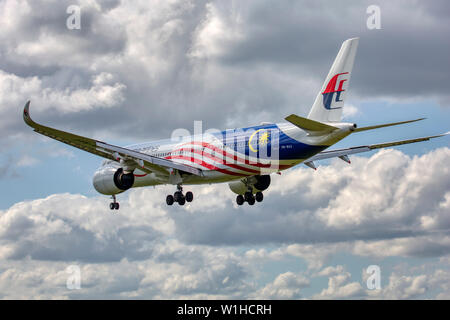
column 260, row 183
column 112, row 181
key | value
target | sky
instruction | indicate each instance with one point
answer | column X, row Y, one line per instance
column 137, row 70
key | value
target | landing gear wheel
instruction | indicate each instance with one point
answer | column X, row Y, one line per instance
column 240, row 200
column 116, row 206
column 248, row 195
column 112, row 206
column 177, row 196
column 259, row 196
column 189, row 196
column 170, row 200
column 251, row 201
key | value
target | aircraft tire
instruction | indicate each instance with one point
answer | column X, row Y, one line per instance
column 170, row 200
column 177, row 196
column 189, row 196
column 259, row 196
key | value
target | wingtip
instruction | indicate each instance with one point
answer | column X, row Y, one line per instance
column 26, row 113
column 26, row 109
column 415, row 120
column 442, row 135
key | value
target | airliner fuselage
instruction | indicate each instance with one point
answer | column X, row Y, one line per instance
column 229, row 155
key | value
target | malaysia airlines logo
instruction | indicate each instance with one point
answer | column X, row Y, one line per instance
column 330, row 90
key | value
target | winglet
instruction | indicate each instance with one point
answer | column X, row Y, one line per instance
column 26, row 115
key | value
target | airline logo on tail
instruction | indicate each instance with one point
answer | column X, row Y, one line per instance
column 330, row 90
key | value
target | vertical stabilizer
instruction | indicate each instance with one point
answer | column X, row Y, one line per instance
column 330, row 101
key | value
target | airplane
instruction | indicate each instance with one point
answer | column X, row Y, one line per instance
column 245, row 158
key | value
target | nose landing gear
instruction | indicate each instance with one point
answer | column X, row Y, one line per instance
column 114, row 205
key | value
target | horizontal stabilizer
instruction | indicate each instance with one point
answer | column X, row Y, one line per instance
column 385, row 125
column 309, row 125
column 344, row 153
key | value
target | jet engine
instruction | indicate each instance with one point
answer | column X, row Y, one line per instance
column 258, row 183
column 112, row 181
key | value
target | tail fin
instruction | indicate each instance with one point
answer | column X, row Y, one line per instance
column 329, row 102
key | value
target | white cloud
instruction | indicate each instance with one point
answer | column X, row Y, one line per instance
column 216, row 30
column 287, row 285
column 435, row 244
column 349, row 111
column 406, row 286
column 41, row 37
column 15, row 91
column 330, row 271
column 145, row 237
column 373, row 199
column 251, row 61
column 340, row 287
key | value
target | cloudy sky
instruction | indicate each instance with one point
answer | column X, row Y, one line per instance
column 137, row 70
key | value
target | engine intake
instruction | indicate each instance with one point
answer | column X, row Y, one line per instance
column 123, row 181
column 112, row 181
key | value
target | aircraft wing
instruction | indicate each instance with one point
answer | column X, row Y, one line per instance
column 344, row 153
column 144, row 161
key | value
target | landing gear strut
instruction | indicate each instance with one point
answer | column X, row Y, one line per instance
column 179, row 197
column 114, row 205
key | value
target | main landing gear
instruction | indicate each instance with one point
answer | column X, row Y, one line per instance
column 114, row 205
column 179, row 197
column 249, row 198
